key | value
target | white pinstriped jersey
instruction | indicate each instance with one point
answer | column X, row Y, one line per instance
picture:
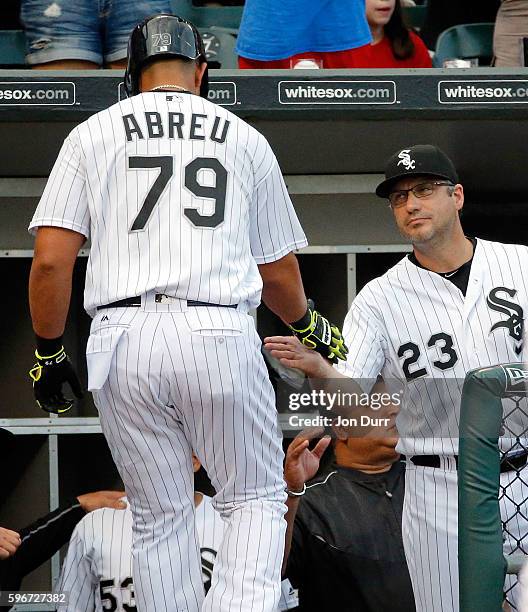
column 177, row 195
column 416, row 327
column 97, row 570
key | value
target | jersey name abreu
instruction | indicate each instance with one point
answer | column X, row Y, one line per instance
column 151, row 124
column 178, row 196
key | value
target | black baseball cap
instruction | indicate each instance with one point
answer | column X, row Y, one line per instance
column 416, row 160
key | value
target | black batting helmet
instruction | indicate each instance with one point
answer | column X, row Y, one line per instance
column 162, row 36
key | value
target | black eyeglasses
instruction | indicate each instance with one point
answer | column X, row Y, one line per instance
column 422, row 190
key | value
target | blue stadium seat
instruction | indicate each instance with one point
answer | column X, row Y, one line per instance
column 205, row 16
column 467, row 41
column 12, row 48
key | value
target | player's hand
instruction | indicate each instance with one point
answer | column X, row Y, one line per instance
column 302, row 463
column 317, row 333
column 102, row 499
column 48, row 375
column 291, row 353
column 9, row 542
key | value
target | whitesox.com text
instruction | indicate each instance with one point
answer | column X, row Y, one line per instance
column 44, row 93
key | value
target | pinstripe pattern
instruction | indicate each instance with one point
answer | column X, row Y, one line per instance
column 407, row 307
column 97, row 570
column 193, row 378
column 145, row 180
column 98, row 562
column 92, row 190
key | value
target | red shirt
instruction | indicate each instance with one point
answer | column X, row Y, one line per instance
column 380, row 55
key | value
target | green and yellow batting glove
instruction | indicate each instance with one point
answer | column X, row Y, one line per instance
column 48, row 375
column 317, row 333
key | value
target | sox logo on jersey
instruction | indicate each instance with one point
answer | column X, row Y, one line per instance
column 515, row 321
column 418, row 330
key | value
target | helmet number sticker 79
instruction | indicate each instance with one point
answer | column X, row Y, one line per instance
column 161, row 39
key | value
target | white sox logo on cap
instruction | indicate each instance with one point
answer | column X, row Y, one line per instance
column 405, row 159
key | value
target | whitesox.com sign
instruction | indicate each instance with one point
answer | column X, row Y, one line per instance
column 39, row 93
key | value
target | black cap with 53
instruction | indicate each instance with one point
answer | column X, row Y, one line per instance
column 416, row 160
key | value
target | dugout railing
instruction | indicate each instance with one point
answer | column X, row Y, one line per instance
column 493, row 432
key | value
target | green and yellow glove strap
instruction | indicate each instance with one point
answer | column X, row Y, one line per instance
column 52, row 370
column 337, row 348
column 314, row 331
column 48, row 350
column 317, row 333
column 47, row 347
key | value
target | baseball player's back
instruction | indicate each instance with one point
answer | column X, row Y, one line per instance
column 164, row 184
column 189, row 219
column 182, row 201
column 97, row 570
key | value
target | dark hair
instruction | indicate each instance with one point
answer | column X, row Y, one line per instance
column 398, row 34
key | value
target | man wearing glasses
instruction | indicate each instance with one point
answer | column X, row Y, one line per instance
column 454, row 304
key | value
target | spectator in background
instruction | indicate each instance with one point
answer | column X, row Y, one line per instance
column 83, row 35
column 279, row 34
column 344, row 548
column 393, row 44
column 511, row 26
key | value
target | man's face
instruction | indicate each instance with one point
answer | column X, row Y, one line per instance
column 375, row 446
column 421, row 220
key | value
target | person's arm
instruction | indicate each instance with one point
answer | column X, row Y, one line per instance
column 274, row 233
column 43, row 538
column 357, row 375
column 301, row 464
column 50, row 283
column 283, row 291
column 50, row 279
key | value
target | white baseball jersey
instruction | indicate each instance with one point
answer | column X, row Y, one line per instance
column 187, row 197
column 416, row 328
column 97, row 570
column 181, row 198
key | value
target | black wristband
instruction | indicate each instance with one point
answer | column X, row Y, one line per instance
column 303, row 322
column 46, row 347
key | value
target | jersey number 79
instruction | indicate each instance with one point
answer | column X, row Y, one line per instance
column 165, row 163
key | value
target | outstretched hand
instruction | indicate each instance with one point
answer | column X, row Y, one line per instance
column 301, row 462
column 291, row 353
column 102, row 499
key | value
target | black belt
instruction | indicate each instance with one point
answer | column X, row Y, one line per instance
column 508, row 464
column 136, row 301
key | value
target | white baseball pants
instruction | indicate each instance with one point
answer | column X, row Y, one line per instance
column 168, row 379
column 430, row 531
